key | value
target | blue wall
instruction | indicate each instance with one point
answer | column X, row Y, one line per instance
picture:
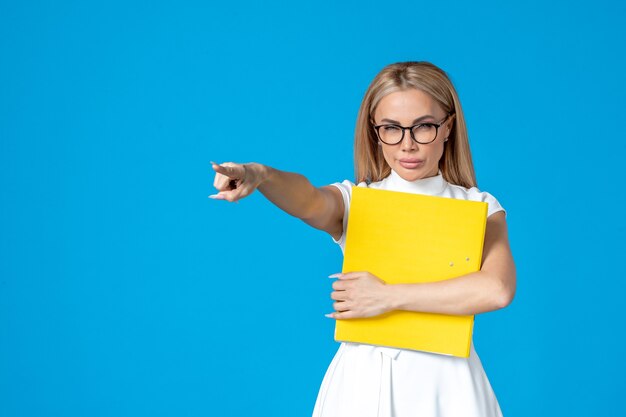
column 125, row 291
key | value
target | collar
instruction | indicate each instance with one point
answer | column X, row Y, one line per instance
column 429, row 186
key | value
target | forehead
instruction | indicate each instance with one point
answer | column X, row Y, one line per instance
column 407, row 105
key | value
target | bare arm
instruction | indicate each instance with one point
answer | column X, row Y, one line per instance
column 491, row 288
column 321, row 208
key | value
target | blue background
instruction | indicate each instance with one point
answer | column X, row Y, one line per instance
column 125, row 291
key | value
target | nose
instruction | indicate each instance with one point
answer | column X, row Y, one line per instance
column 408, row 143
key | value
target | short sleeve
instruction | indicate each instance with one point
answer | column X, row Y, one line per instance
column 346, row 192
column 474, row 194
column 494, row 205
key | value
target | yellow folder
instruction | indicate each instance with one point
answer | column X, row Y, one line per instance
column 412, row 238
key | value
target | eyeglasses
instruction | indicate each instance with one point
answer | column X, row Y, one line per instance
column 422, row 133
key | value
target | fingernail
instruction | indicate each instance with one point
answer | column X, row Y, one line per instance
column 335, row 275
column 329, row 315
column 216, row 197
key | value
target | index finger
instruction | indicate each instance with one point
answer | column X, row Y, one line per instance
column 346, row 275
column 230, row 172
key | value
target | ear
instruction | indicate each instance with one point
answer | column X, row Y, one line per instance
column 451, row 123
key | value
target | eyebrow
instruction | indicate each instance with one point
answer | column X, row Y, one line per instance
column 419, row 119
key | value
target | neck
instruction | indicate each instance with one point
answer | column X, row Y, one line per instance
column 430, row 185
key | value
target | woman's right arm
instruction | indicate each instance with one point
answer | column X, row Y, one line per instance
column 321, row 207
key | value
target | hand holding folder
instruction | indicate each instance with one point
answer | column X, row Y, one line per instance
column 412, row 238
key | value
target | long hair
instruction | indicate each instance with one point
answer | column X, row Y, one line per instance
column 456, row 162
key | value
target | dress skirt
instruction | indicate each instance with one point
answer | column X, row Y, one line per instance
column 374, row 381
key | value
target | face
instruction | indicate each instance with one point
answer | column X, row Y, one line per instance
column 408, row 158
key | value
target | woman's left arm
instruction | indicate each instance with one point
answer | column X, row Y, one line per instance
column 361, row 294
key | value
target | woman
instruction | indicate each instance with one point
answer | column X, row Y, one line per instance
column 411, row 137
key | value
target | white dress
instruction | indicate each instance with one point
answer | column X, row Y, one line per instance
column 374, row 381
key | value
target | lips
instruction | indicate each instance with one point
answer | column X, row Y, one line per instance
column 411, row 163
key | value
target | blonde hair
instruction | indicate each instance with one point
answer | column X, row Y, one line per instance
column 456, row 162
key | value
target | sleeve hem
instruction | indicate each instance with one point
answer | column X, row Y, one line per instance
column 346, row 206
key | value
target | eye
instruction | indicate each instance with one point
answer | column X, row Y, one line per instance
column 391, row 128
column 424, row 127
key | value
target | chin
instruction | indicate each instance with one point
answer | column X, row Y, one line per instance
column 414, row 174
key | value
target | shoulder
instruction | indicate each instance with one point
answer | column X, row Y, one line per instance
column 475, row 194
column 345, row 187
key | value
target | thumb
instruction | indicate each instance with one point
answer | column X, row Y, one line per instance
column 230, row 195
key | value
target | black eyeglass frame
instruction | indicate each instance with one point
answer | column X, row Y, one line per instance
column 410, row 129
